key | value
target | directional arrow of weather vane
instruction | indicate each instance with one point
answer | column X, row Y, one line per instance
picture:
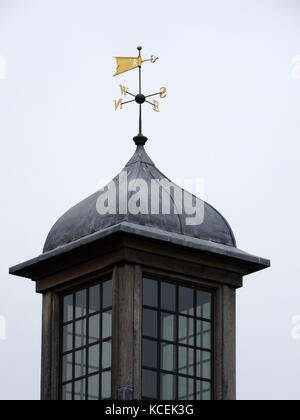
column 129, row 63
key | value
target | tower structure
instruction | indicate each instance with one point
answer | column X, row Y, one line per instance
column 139, row 292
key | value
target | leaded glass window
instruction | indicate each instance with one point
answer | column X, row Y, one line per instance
column 86, row 342
column 177, row 354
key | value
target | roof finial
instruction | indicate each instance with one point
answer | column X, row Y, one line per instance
column 125, row 64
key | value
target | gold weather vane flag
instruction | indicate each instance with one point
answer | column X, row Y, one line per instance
column 125, row 64
column 129, row 63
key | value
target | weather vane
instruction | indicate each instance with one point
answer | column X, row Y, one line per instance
column 129, row 63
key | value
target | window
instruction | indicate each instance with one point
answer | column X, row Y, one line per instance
column 177, row 342
column 86, row 337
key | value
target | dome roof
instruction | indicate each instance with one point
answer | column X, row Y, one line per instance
column 85, row 218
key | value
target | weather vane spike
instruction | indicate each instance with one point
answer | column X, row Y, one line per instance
column 125, row 64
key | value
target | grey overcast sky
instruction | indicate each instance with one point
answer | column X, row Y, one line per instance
column 231, row 117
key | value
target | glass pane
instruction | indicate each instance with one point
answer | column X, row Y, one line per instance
column 203, row 364
column 93, row 388
column 186, row 361
column 106, row 385
column 203, row 391
column 149, row 384
column 168, row 387
column 79, row 390
column 68, row 308
column 186, row 331
column 67, row 392
column 168, row 357
column 80, row 333
column 107, row 294
column 106, row 325
column 185, row 388
column 94, row 299
column 150, row 323
column 168, row 327
column 204, row 335
column 94, row 329
column 68, row 338
column 168, row 297
column 94, row 359
column 80, row 363
column 106, row 355
column 67, row 367
column 204, row 305
column 186, row 301
column 150, row 293
column 80, row 308
column 150, row 353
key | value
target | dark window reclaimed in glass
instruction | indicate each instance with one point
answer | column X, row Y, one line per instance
column 86, row 334
column 177, row 352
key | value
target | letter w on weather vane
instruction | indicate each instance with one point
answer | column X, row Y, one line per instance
column 125, row 64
